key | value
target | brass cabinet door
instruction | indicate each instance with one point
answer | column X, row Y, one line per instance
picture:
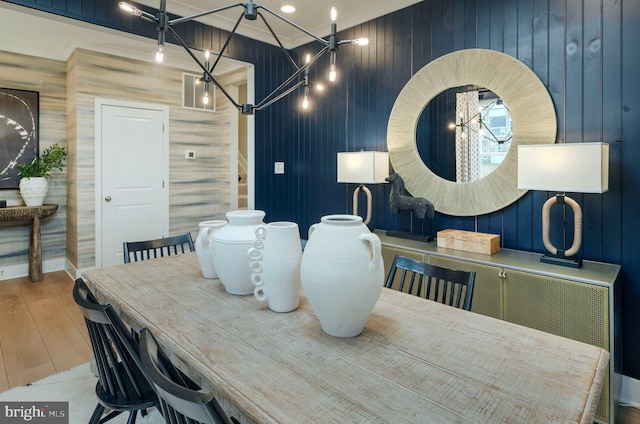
column 563, row 307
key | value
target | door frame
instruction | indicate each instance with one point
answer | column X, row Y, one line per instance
column 98, row 103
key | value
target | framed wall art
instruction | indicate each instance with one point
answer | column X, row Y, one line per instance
column 19, row 133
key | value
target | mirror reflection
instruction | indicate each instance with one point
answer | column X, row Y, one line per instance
column 472, row 135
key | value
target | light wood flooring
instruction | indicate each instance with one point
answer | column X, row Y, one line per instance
column 42, row 332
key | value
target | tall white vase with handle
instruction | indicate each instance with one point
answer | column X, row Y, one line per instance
column 275, row 265
column 342, row 273
column 204, row 246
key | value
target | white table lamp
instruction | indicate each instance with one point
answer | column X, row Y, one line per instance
column 566, row 167
column 363, row 168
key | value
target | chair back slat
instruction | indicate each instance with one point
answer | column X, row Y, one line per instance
column 181, row 401
column 158, row 248
column 447, row 286
column 122, row 385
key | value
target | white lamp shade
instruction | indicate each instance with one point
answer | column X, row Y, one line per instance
column 566, row 167
column 363, row 167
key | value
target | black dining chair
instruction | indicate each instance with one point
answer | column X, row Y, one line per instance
column 451, row 287
column 122, row 386
column 148, row 249
column 181, row 400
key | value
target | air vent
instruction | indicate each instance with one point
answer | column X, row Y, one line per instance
column 193, row 93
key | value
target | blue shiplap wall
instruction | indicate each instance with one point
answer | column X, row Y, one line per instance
column 584, row 51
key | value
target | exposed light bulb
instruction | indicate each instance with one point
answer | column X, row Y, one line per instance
column 206, row 55
column 307, row 58
column 332, row 72
column 452, row 125
column 305, row 102
column 319, row 87
column 160, row 54
column 360, row 41
column 130, row 9
column 334, row 14
column 205, row 98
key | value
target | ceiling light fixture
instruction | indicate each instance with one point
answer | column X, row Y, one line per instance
column 287, row 8
column 300, row 76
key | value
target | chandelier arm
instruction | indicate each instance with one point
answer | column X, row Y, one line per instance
column 293, row 24
column 267, row 99
column 205, row 13
column 285, row 51
column 226, row 43
column 206, row 71
column 263, row 105
column 495, row 139
column 288, row 80
column 148, row 16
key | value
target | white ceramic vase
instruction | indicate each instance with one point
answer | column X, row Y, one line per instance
column 342, row 273
column 204, row 246
column 34, row 190
column 275, row 265
column 230, row 245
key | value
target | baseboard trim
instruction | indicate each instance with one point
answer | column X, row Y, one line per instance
column 630, row 392
column 22, row 270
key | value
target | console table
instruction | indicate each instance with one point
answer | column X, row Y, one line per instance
column 33, row 214
column 512, row 285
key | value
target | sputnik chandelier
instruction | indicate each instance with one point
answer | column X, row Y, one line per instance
column 478, row 124
column 251, row 11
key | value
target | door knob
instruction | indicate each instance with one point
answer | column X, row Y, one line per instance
column 107, row 199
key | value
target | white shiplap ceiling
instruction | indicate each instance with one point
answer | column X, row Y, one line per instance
column 36, row 33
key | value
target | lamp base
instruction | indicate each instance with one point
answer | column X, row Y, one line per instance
column 555, row 260
column 410, row 236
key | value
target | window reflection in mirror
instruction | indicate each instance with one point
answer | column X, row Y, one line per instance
column 464, row 133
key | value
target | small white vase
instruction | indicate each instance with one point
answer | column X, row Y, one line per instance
column 275, row 265
column 342, row 273
column 230, row 245
column 204, row 246
column 33, row 190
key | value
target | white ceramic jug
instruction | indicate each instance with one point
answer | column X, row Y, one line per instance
column 204, row 246
column 230, row 245
column 342, row 273
column 275, row 265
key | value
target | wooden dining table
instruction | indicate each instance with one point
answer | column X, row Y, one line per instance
column 416, row 361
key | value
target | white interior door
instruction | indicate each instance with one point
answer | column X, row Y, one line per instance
column 133, row 192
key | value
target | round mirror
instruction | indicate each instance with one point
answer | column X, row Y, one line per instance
column 533, row 122
column 471, row 137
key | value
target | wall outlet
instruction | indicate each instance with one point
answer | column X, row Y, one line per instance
column 190, row 154
column 278, row 167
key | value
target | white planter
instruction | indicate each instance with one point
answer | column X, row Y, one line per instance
column 34, row 190
column 230, row 245
column 204, row 246
column 275, row 265
column 342, row 273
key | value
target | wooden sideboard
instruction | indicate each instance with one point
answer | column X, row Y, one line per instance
column 31, row 214
column 580, row 304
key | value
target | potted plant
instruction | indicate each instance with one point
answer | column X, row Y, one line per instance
column 34, row 184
